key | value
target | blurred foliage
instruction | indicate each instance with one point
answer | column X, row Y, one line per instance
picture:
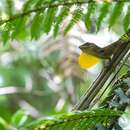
column 18, row 120
column 39, row 78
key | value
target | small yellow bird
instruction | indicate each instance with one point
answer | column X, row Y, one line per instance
column 88, row 58
column 92, row 53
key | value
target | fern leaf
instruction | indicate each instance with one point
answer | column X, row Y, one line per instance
column 81, row 120
column 37, row 25
column 87, row 17
column 39, row 3
column 76, row 17
column 115, row 13
column 49, row 19
column 9, row 7
column 69, row 126
column 103, row 12
column 5, row 36
column 126, row 21
column 28, row 5
column 19, row 28
column 6, row 33
column 64, row 12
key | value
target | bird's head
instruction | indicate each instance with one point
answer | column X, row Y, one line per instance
column 88, row 47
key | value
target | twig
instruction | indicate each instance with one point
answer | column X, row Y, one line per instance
column 17, row 90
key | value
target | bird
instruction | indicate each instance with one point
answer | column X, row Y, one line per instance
column 91, row 51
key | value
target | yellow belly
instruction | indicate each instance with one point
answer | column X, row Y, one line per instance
column 87, row 61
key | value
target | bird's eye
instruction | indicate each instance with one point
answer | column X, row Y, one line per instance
column 101, row 51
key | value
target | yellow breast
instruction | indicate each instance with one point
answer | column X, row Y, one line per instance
column 87, row 61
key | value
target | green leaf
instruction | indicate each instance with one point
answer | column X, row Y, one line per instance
column 6, row 32
column 19, row 28
column 87, row 17
column 83, row 120
column 40, row 3
column 9, row 7
column 76, row 17
column 29, row 4
column 103, row 13
column 3, row 124
column 5, row 36
column 63, row 13
column 49, row 19
column 84, row 124
column 116, row 12
column 19, row 118
column 37, row 25
column 126, row 20
column 69, row 126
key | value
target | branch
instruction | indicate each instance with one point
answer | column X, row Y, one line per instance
column 97, row 85
column 42, row 8
column 17, row 90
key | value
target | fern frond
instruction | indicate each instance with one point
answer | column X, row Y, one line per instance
column 103, row 13
column 36, row 26
column 63, row 13
column 126, row 21
column 52, row 13
column 76, row 17
column 49, row 19
column 116, row 12
column 27, row 5
column 6, row 33
column 5, row 36
column 9, row 7
column 19, row 30
column 31, row 4
column 80, row 120
column 87, row 16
